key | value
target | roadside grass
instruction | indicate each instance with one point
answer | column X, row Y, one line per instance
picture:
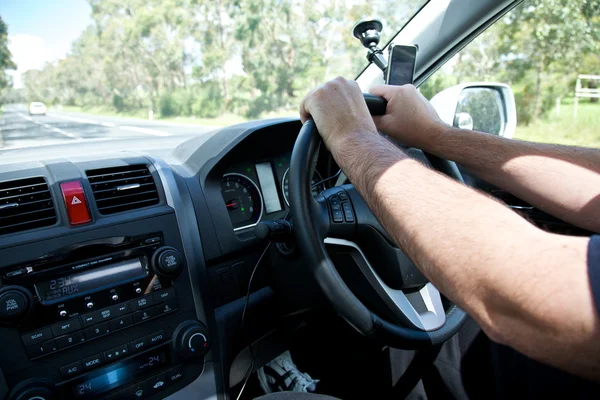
column 223, row 120
column 566, row 129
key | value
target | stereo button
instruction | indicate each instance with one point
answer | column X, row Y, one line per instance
column 120, row 309
column 42, row 349
column 70, row 340
column 156, row 383
column 138, row 345
column 116, row 353
column 90, row 319
column 122, row 322
column 173, row 375
column 167, row 307
column 71, row 369
column 92, row 362
column 96, row 331
column 35, row 337
column 156, row 337
column 142, row 302
column 165, row 295
column 13, row 304
column 66, row 327
column 141, row 316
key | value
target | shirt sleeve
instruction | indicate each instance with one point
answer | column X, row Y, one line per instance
column 594, row 268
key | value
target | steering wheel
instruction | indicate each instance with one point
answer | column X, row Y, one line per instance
column 416, row 318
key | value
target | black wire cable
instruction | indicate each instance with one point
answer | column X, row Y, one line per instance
column 253, row 359
column 327, row 179
column 247, row 300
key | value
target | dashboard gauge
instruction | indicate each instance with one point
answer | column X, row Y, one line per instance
column 315, row 190
column 242, row 199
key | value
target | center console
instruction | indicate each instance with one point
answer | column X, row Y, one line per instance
column 109, row 313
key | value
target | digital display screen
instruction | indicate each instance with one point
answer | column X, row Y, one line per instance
column 268, row 187
column 401, row 65
column 66, row 287
column 118, row 375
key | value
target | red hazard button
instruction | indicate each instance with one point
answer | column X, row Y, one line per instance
column 74, row 197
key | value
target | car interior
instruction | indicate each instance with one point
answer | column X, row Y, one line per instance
column 179, row 269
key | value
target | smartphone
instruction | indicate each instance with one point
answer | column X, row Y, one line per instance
column 401, row 64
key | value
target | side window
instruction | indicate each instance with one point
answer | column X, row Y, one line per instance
column 538, row 68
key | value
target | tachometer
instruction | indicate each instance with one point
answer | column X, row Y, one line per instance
column 242, row 199
column 315, row 190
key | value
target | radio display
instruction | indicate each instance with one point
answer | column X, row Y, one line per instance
column 66, row 287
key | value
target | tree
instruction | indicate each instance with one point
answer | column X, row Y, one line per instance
column 6, row 62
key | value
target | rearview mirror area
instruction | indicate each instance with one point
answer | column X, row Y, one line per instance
column 483, row 106
column 480, row 109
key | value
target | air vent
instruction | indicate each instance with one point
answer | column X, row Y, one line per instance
column 122, row 188
column 25, row 204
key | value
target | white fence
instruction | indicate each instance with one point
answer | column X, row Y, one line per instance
column 584, row 92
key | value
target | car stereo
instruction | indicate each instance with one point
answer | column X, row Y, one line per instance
column 72, row 310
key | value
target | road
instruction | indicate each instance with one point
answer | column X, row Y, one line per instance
column 19, row 129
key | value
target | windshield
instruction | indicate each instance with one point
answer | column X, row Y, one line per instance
column 104, row 69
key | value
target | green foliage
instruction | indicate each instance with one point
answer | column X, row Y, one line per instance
column 208, row 57
column 539, row 48
column 5, row 56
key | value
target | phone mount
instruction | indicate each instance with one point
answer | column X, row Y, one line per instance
column 369, row 34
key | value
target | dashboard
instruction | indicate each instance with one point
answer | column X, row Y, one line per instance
column 123, row 273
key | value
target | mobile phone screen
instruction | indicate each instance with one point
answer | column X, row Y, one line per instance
column 401, row 65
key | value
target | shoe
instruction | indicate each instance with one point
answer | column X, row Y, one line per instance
column 281, row 374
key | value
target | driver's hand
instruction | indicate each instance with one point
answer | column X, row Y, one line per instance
column 339, row 111
column 409, row 117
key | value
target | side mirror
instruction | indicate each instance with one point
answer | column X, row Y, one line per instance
column 485, row 107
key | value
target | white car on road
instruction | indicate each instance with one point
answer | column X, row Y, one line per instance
column 37, row 108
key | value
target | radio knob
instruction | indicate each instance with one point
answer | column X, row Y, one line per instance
column 167, row 262
column 15, row 303
column 190, row 339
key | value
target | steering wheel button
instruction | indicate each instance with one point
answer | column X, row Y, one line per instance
column 343, row 196
column 334, row 201
column 337, row 207
column 338, row 216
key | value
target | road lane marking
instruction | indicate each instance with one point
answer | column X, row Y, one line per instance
column 144, row 130
column 108, row 124
column 49, row 127
column 65, row 133
column 76, row 119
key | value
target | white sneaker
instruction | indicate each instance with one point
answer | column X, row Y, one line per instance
column 281, row 374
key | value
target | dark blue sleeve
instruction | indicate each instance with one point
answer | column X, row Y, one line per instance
column 594, row 268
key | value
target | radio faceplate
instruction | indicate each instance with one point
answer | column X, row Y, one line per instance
column 65, row 291
column 114, row 330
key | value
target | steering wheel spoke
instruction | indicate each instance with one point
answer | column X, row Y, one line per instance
column 417, row 308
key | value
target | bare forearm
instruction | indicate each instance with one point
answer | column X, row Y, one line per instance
column 561, row 180
column 510, row 276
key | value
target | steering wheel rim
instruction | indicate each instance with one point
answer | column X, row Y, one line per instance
column 309, row 234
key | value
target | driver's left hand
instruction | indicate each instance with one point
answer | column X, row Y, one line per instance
column 339, row 111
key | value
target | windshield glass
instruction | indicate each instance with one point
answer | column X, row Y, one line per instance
column 104, row 69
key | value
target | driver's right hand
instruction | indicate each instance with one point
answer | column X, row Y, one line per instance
column 409, row 117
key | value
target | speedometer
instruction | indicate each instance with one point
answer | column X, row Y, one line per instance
column 242, row 199
column 315, row 189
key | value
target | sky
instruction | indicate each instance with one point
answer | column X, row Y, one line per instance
column 40, row 31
